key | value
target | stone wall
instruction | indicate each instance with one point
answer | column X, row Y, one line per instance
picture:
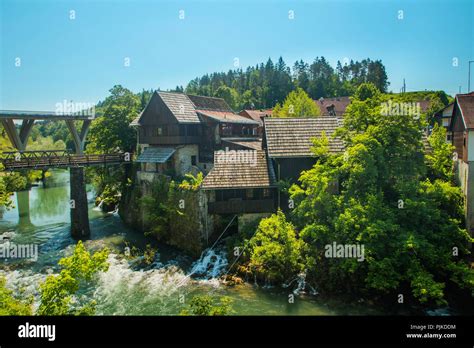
column 188, row 225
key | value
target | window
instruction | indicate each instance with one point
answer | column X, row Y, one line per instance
column 266, row 193
column 159, row 131
column 254, row 131
column 193, row 160
column 226, row 129
column 249, row 193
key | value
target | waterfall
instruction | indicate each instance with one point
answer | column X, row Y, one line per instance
column 211, row 264
column 99, row 206
column 301, row 285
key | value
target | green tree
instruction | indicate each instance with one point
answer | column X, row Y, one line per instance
column 230, row 95
column 297, row 104
column 440, row 156
column 10, row 304
column 275, row 251
column 407, row 224
column 111, row 130
column 58, row 291
column 205, row 305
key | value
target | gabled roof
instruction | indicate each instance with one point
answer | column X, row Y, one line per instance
column 249, row 143
column 226, row 117
column 256, row 115
column 209, row 103
column 465, row 103
column 156, row 154
column 181, row 106
column 291, row 137
column 339, row 104
column 188, row 109
column 238, row 174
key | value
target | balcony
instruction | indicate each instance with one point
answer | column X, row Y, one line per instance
column 242, row 206
column 170, row 140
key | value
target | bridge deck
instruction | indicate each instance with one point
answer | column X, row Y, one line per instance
column 57, row 159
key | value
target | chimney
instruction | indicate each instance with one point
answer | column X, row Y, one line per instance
column 331, row 110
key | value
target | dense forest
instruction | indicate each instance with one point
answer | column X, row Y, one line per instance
column 265, row 84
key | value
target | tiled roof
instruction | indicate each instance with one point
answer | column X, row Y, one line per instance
column 226, row 117
column 181, row 107
column 155, row 154
column 466, row 105
column 291, row 137
column 209, row 103
column 230, row 174
column 256, row 115
column 340, row 105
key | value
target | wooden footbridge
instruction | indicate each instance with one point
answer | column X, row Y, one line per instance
column 18, row 125
column 16, row 160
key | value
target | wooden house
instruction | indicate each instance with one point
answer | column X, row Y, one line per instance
column 178, row 133
column 443, row 117
column 288, row 143
column 240, row 185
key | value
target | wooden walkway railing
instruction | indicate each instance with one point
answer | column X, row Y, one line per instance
column 57, row 159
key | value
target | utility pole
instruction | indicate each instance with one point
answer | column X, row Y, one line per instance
column 469, row 77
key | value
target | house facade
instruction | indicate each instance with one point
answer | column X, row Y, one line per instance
column 443, row 117
column 462, row 132
column 178, row 133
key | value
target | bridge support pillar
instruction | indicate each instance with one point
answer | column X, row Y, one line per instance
column 79, row 210
column 23, row 203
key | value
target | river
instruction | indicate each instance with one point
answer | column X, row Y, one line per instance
column 163, row 288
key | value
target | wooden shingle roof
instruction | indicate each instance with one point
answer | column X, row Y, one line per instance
column 249, row 143
column 235, row 174
column 226, row 117
column 181, row 107
column 209, row 103
column 291, row 137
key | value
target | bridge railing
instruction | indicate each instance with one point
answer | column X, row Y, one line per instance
column 56, row 158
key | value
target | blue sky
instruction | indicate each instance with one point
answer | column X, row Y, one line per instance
column 81, row 59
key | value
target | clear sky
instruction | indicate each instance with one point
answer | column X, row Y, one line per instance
column 80, row 59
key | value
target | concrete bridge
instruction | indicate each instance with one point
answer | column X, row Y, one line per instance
column 23, row 159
